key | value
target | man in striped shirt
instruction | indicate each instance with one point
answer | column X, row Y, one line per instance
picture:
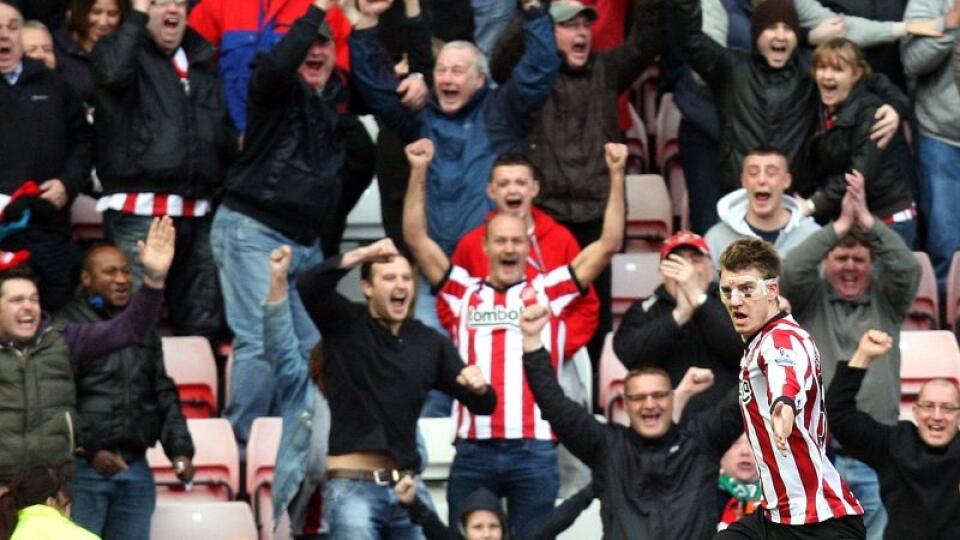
column 781, row 401
column 511, row 452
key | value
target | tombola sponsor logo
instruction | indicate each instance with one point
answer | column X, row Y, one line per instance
column 497, row 316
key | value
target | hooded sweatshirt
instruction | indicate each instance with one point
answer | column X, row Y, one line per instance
column 732, row 209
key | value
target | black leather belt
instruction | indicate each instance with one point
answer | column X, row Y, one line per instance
column 380, row 477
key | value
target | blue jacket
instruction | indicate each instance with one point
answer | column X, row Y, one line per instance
column 299, row 403
column 493, row 122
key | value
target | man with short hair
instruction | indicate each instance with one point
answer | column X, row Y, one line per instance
column 780, row 400
column 656, row 479
column 283, row 190
column 869, row 280
column 918, row 462
column 510, row 452
column 761, row 208
column 164, row 140
column 683, row 323
column 378, row 366
column 38, row 358
column 127, row 403
column 44, row 137
column 38, row 43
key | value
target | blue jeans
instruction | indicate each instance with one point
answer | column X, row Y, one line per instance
column 523, row 471
column 865, row 485
column 362, row 510
column 907, row 230
column 490, row 19
column 117, row 508
column 240, row 246
column 699, row 159
column 940, row 201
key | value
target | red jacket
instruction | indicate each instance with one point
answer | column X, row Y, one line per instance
column 552, row 245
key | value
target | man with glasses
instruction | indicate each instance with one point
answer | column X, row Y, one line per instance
column 164, row 141
column 919, row 464
column 803, row 495
column 869, row 280
column 683, row 323
column 656, row 479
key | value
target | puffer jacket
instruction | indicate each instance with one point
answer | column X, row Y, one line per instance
column 847, row 145
column 495, row 121
column 126, row 401
column 289, row 176
column 152, row 135
column 37, row 395
column 758, row 105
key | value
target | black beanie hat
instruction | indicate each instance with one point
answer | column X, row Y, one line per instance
column 771, row 12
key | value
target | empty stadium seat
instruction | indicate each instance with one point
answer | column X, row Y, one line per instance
column 635, row 276
column 203, row 521
column 925, row 312
column 189, row 362
column 217, row 463
column 87, row 223
column 261, row 459
column 953, row 291
column 649, row 216
column 925, row 355
column 668, row 130
column 438, row 434
column 645, row 88
column 637, row 144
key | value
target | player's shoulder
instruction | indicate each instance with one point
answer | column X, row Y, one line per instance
column 785, row 340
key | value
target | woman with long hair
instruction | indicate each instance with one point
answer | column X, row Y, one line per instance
column 36, row 506
column 87, row 22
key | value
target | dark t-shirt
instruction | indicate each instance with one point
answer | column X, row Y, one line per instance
column 766, row 236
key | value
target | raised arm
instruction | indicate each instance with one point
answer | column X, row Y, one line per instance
column 430, row 257
column 923, row 55
column 695, row 381
column 276, row 70
column 588, row 264
column 863, row 32
column 711, row 60
column 575, row 427
column 861, row 435
column 114, row 59
column 94, row 340
column 280, row 343
column 646, row 41
column 801, row 281
column 373, row 75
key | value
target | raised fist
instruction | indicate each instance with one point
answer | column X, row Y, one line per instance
column 420, row 153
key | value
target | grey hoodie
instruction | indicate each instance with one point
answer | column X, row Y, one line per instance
column 732, row 209
column 928, row 60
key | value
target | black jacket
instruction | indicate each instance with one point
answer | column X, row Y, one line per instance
column 126, row 401
column 43, row 134
column 846, row 146
column 152, row 135
column 650, row 489
column 758, row 105
column 289, row 176
column 918, row 484
column 73, row 63
column 649, row 335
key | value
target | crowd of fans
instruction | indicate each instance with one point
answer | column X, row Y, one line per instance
column 223, row 142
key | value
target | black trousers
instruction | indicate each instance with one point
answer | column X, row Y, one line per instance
column 756, row 527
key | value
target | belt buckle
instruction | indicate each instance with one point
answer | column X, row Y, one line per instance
column 393, row 477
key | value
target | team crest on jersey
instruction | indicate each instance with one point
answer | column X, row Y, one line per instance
column 746, row 393
column 784, row 358
column 496, row 317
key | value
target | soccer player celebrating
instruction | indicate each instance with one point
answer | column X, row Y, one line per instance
column 781, row 400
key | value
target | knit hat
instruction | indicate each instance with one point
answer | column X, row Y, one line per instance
column 772, row 12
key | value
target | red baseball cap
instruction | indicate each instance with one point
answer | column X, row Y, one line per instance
column 681, row 239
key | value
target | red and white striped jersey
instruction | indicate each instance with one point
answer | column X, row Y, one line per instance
column 782, row 363
column 483, row 322
column 154, row 204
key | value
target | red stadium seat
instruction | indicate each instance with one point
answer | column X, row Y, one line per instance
column 668, row 131
column 261, row 460
column 189, row 362
column 612, row 373
column 217, row 463
column 204, row 521
column 649, row 215
column 925, row 312
column 637, row 144
column 925, row 355
column 646, row 92
column 953, row 291
column 87, row 223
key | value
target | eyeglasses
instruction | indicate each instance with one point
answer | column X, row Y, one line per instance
column 640, row 398
column 747, row 290
column 929, row 407
column 162, row 3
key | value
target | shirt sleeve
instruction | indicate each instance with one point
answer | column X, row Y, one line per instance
column 787, row 367
column 561, row 287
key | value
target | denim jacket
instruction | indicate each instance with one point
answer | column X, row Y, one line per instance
column 301, row 411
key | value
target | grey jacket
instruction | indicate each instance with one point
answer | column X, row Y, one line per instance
column 928, row 60
column 837, row 324
column 732, row 209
